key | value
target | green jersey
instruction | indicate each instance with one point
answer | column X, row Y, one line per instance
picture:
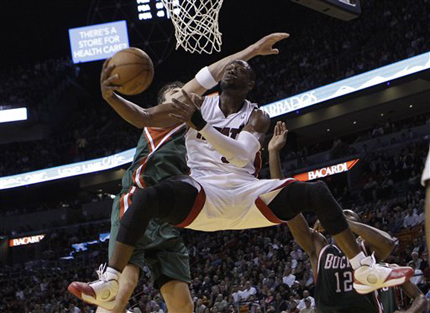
column 334, row 292
column 388, row 299
column 160, row 154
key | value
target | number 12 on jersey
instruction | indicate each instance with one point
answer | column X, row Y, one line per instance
column 346, row 279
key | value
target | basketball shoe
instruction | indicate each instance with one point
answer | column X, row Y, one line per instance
column 101, row 292
column 371, row 276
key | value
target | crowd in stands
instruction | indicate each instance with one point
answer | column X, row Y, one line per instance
column 395, row 31
column 36, row 86
column 324, row 53
column 260, row 270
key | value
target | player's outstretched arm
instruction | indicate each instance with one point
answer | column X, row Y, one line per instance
column 159, row 115
column 126, row 109
column 276, row 144
column 376, row 240
column 207, row 80
column 420, row 302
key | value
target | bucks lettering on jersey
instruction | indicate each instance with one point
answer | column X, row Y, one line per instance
column 160, row 154
column 334, row 292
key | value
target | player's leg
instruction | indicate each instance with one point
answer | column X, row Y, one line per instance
column 299, row 197
column 170, row 201
column 172, row 273
column 177, row 296
column 127, row 283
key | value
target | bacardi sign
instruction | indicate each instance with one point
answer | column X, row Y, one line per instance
column 327, row 171
column 25, row 240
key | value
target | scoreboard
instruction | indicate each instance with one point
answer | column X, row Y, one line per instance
column 153, row 9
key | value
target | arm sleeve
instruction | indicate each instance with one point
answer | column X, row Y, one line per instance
column 238, row 152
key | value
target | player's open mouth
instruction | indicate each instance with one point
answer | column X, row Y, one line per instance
column 230, row 77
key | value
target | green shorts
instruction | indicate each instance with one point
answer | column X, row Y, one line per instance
column 161, row 250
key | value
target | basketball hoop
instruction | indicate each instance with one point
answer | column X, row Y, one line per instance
column 196, row 24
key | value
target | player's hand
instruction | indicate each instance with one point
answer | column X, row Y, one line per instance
column 279, row 137
column 106, row 81
column 184, row 107
column 265, row 45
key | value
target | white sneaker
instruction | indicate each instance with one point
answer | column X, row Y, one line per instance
column 371, row 276
column 101, row 292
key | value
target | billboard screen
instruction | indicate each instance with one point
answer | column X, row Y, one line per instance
column 98, row 42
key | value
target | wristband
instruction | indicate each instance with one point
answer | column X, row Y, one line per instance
column 205, row 78
column 198, row 120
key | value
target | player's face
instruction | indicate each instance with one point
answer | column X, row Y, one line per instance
column 170, row 93
column 237, row 76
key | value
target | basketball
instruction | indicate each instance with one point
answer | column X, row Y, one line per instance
column 135, row 70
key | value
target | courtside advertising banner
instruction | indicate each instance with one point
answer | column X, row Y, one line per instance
column 343, row 87
column 98, row 42
column 327, row 171
column 25, row 240
column 68, row 170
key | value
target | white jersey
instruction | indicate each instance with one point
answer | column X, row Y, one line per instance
column 230, row 197
column 202, row 158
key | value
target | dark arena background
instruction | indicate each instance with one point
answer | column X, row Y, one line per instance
column 353, row 88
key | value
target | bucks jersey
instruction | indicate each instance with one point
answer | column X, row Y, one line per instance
column 160, row 154
column 388, row 299
column 334, row 292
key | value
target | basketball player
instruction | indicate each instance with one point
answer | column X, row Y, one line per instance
column 334, row 292
column 161, row 248
column 160, row 154
column 223, row 142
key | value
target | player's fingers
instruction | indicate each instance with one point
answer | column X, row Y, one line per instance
column 113, row 87
column 197, row 100
column 284, row 127
column 274, row 51
column 281, row 36
column 109, row 70
column 180, row 106
column 111, row 79
column 187, row 96
column 275, row 130
column 105, row 63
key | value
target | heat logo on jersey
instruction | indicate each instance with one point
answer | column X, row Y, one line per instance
column 226, row 131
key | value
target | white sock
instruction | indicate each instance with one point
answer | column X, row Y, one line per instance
column 355, row 261
column 111, row 270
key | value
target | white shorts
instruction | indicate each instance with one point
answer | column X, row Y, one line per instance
column 231, row 201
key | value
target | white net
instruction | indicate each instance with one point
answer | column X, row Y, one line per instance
column 196, row 24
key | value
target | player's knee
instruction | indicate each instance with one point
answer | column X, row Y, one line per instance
column 144, row 205
column 318, row 193
column 184, row 305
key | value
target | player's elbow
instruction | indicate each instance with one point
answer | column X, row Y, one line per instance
column 238, row 161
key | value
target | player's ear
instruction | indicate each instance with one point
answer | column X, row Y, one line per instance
column 251, row 85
